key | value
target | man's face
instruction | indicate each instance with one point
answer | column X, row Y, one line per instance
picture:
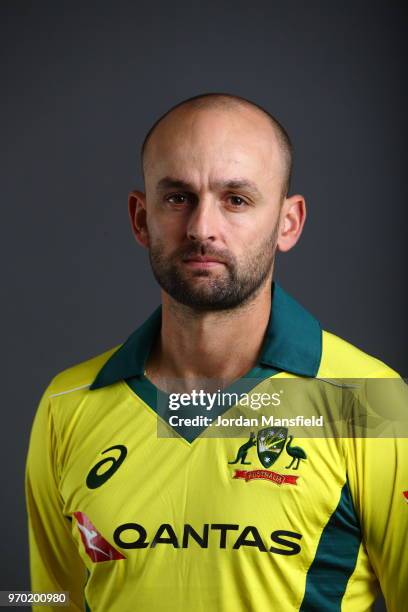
column 213, row 197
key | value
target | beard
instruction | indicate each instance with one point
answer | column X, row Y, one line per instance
column 229, row 288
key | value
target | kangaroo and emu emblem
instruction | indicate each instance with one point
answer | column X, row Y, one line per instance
column 270, row 443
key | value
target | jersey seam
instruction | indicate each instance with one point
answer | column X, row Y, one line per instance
column 57, row 469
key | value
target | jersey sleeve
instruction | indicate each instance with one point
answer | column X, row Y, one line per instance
column 378, row 478
column 55, row 564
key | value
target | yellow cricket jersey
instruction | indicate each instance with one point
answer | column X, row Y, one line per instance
column 130, row 521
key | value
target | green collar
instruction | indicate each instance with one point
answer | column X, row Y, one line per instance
column 293, row 343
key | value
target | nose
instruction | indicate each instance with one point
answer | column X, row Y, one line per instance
column 203, row 221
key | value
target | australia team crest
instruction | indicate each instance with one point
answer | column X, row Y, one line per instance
column 270, row 442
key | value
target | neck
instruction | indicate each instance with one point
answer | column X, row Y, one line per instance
column 221, row 346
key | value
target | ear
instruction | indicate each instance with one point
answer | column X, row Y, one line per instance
column 292, row 220
column 137, row 214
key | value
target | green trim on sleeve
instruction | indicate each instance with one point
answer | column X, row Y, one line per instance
column 87, row 608
column 335, row 559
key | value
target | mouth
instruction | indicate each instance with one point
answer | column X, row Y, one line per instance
column 202, row 262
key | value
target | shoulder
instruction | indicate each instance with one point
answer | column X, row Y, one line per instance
column 342, row 359
column 62, row 397
column 80, row 375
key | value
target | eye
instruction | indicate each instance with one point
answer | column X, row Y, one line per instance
column 237, row 201
column 176, row 198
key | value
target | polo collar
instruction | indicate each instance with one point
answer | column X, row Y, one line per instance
column 292, row 343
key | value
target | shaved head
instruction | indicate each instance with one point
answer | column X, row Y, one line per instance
column 228, row 103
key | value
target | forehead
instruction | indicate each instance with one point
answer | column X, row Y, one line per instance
column 205, row 144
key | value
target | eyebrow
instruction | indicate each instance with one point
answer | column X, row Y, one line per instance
column 169, row 182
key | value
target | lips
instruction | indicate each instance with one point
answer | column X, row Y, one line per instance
column 202, row 262
column 202, row 259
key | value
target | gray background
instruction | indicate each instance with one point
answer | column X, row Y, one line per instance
column 81, row 84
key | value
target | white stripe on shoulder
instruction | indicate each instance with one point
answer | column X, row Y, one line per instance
column 71, row 390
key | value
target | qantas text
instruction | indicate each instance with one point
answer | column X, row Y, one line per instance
column 223, row 535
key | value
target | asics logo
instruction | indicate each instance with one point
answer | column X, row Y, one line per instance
column 95, row 478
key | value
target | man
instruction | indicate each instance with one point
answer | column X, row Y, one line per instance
column 129, row 509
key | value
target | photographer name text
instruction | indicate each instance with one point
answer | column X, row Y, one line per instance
column 240, row 421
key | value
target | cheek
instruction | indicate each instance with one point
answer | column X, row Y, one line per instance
column 166, row 228
column 247, row 231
